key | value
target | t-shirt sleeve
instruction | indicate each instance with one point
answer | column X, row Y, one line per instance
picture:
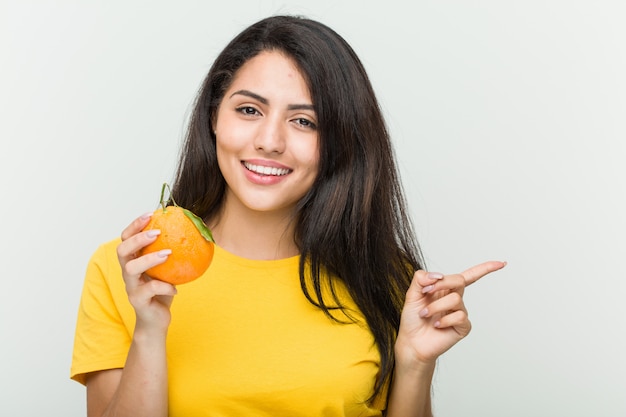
column 105, row 319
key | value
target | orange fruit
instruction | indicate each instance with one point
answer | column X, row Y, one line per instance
column 189, row 239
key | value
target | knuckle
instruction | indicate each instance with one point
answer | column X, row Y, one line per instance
column 128, row 268
column 123, row 250
column 459, row 280
column 456, row 298
column 155, row 286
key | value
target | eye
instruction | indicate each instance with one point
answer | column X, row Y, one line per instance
column 247, row 110
column 305, row 123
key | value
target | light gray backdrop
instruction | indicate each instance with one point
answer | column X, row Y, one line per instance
column 509, row 123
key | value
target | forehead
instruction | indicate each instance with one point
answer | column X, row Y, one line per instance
column 270, row 73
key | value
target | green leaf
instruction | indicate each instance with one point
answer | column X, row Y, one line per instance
column 202, row 228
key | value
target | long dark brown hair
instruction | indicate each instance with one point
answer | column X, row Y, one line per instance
column 353, row 224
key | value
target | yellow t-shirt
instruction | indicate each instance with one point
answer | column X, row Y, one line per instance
column 243, row 340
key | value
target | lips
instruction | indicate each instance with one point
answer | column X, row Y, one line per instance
column 266, row 170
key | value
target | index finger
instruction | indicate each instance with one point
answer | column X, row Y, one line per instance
column 476, row 272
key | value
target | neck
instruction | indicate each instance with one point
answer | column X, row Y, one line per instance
column 254, row 234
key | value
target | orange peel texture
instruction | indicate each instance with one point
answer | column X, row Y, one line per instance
column 188, row 238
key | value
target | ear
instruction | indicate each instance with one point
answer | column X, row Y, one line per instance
column 214, row 123
column 213, row 128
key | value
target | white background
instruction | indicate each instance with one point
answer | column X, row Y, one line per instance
column 509, row 123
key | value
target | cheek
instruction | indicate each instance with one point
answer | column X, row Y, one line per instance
column 226, row 154
column 230, row 134
column 227, row 145
column 314, row 165
column 309, row 156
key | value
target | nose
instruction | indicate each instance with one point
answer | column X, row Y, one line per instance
column 270, row 137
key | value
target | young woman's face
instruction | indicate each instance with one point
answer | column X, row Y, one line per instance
column 267, row 139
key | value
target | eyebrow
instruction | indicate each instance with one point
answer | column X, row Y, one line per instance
column 263, row 100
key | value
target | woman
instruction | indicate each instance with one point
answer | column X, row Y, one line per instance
column 316, row 302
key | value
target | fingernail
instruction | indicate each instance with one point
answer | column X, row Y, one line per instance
column 146, row 216
column 424, row 312
column 435, row 275
column 153, row 232
column 164, row 253
column 437, row 324
column 427, row 288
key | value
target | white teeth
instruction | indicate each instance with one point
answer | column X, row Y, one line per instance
column 263, row 170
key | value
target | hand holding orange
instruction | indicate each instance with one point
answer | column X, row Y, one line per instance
column 189, row 239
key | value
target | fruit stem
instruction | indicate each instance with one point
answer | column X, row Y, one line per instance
column 163, row 195
column 163, row 201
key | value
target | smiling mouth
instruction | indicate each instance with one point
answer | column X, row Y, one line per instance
column 264, row 170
